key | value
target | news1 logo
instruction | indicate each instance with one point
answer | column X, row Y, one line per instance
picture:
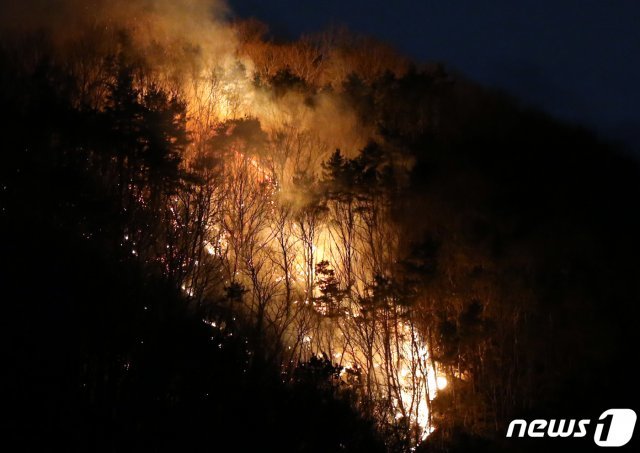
column 613, row 429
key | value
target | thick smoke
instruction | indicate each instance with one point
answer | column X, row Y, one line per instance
column 195, row 21
column 197, row 26
column 191, row 45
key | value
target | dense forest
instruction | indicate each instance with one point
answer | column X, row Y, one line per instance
column 216, row 240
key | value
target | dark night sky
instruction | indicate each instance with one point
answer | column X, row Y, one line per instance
column 577, row 59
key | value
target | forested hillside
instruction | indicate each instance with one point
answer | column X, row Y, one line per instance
column 215, row 239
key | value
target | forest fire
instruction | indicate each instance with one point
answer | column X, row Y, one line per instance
column 304, row 274
column 290, row 258
column 313, row 239
column 301, row 248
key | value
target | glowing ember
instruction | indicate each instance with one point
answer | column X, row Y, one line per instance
column 442, row 382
